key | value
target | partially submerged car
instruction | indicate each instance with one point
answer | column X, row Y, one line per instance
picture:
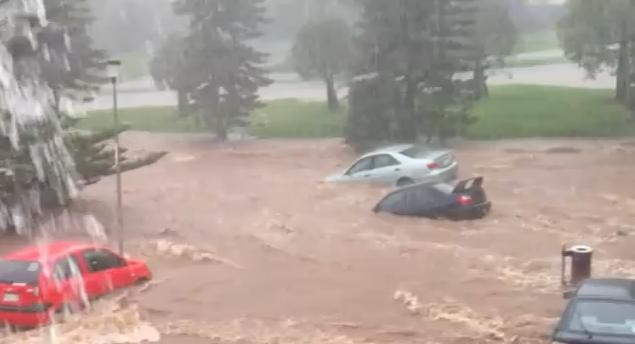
column 36, row 283
column 464, row 201
column 401, row 165
column 600, row 311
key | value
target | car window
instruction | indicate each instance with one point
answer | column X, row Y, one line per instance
column 66, row 268
column 362, row 165
column 101, row 260
column 415, row 152
column 385, row 160
column 396, row 199
column 602, row 317
column 13, row 271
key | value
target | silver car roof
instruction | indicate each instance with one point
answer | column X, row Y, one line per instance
column 393, row 149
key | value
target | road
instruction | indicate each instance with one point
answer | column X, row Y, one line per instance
column 142, row 93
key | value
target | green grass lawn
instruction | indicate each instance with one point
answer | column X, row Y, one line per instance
column 509, row 112
column 538, row 111
column 152, row 119
column 537, row 41
column 280, row 118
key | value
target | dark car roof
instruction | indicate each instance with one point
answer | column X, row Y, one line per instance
column 615, row 288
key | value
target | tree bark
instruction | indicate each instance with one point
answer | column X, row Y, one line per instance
column 480, row 83
column 182, row 102
column 623, row 68
column 331, row 94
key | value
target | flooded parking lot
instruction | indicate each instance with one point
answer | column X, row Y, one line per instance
column 248, row 245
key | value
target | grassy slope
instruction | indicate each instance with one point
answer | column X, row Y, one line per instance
column 510, row 111
column 281, row 118
column 538, row 111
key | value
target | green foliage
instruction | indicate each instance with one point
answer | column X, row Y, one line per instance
column 599, row 34
column 539, row 111
column 223, row 71
column 94, row 158
column 72, row 20
column 589, row 30
column 33, row 159
column 372, row 118
column 323, row 49
column 496, row 35
column 413, row 49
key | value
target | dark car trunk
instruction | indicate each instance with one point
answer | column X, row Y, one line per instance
column 472, row 188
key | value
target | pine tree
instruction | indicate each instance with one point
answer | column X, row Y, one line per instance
column 168, row 69
column 421, row 45
column 226, row 72
column 33, row 158
column 72, row 62
column 71, row 66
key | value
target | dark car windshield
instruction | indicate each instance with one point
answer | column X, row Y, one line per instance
column 14, row 271
column 602, row 317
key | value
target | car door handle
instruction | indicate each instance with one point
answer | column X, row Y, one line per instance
column 367, row 176
column 397, row 169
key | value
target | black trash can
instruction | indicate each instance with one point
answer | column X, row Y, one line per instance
column 581, row 260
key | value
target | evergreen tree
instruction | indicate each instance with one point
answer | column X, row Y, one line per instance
column 422, row 45
column 168, row 69
column 72, row 65
column 495, row 37
column 71, row 61
column 33, row 158
column 599, row 34
column 224, row 72
column 323, row 49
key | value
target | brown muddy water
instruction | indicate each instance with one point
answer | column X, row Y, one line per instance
column 248, row 245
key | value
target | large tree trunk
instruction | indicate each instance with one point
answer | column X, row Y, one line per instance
column 221, row 130
column 331, row 94
column 410, row 127
column 480, row 82
column 182, row 102
column 623, row 67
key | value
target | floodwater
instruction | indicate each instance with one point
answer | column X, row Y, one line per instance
column 248, row 245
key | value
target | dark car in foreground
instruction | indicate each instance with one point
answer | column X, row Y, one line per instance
column 600, row 311
column 466, row 200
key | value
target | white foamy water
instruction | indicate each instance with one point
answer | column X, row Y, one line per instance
column 109, row 322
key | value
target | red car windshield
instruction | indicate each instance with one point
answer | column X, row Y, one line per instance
column 14, row 271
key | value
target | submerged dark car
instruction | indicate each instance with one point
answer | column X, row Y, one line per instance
column 600, row 311
column 464, row 201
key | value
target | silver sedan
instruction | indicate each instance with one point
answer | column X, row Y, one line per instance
column 401, row 165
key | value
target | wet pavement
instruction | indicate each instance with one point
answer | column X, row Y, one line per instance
column 139, row 93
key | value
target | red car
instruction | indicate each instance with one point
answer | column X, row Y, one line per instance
column 37, row 282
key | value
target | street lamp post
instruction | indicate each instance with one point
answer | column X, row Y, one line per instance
column 113, row 67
